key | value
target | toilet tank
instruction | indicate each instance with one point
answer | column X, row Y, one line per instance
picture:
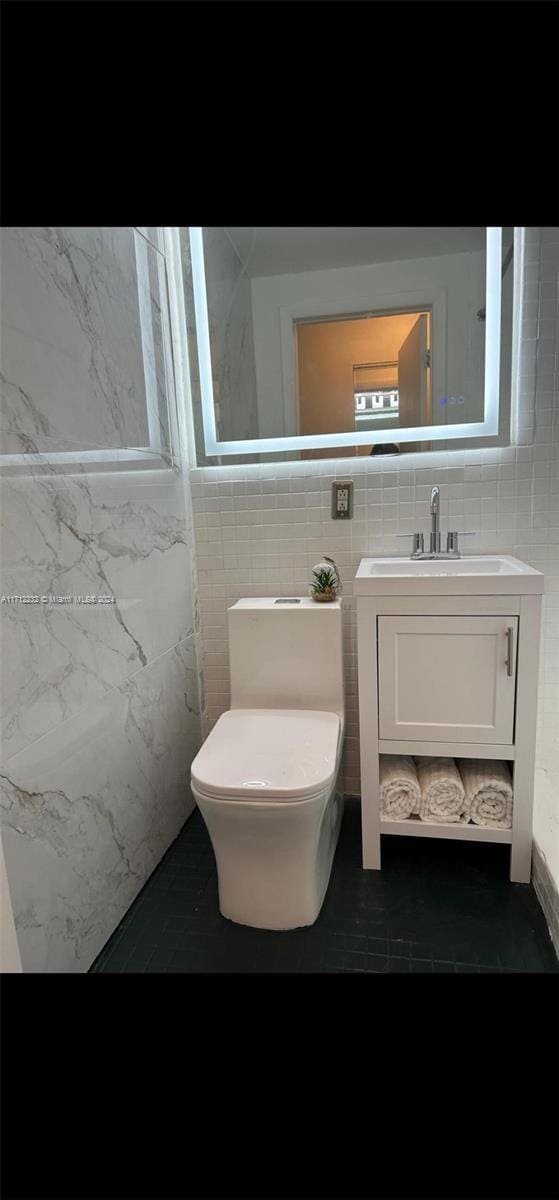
column 286, row 653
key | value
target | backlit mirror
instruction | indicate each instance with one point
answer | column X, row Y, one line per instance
column 316, row 342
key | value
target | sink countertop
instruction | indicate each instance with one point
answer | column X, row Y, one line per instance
column 470, row 575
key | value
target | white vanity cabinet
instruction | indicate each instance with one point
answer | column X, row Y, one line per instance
column 447, row 679
column 445, row 669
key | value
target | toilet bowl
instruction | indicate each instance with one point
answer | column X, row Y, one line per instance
column 265, row 779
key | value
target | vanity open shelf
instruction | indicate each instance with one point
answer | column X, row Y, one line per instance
column 415, row 827
column 448, row 667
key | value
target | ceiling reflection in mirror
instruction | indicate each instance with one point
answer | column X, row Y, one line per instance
column 320, row 331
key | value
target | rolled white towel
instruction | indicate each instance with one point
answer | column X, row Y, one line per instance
column 488, row 787
column 442, row 791
column 399, row 787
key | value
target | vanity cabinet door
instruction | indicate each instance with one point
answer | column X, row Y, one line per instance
column 447, row 678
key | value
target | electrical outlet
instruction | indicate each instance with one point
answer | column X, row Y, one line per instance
column 342, row 499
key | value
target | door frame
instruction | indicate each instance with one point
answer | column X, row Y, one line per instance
column 432, row 300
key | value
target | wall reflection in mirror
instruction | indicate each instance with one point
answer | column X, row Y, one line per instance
column 317, row 331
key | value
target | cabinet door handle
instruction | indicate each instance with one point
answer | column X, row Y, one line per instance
column 510, row 644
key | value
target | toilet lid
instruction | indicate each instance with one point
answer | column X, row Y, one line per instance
column 268, row 754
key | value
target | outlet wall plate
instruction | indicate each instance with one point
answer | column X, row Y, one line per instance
column 342, row 499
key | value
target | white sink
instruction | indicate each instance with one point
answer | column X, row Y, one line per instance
column 472, row 575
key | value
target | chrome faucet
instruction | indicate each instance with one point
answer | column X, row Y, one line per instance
column 435, row 551
column 435, row 541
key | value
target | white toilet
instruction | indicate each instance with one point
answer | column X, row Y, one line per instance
column 265, row 778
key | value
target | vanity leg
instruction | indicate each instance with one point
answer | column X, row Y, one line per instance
column 370, row 805
column 371, row 832
column 368, row 731
column 521, row 863
column 523, row 791
column 525, row 741
column 522, row 810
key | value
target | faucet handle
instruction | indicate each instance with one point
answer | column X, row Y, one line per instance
column 417, row 540
column 417, row 546
column 452, row 539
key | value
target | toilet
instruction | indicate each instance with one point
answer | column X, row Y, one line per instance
column 265, row 779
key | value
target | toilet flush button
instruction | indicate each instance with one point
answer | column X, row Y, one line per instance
column 255, row 783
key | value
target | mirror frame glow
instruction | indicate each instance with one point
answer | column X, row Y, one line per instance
column 489, row 427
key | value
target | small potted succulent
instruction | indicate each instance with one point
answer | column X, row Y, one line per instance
column 326, row 584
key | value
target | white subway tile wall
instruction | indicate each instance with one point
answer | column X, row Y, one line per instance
column 259, row 529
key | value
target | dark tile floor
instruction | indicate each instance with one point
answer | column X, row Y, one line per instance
column 436, row 906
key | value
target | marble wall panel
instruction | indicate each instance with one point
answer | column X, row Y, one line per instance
column 89, row 809
column 100, row 708
column 75, row 310
column 124, row 535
